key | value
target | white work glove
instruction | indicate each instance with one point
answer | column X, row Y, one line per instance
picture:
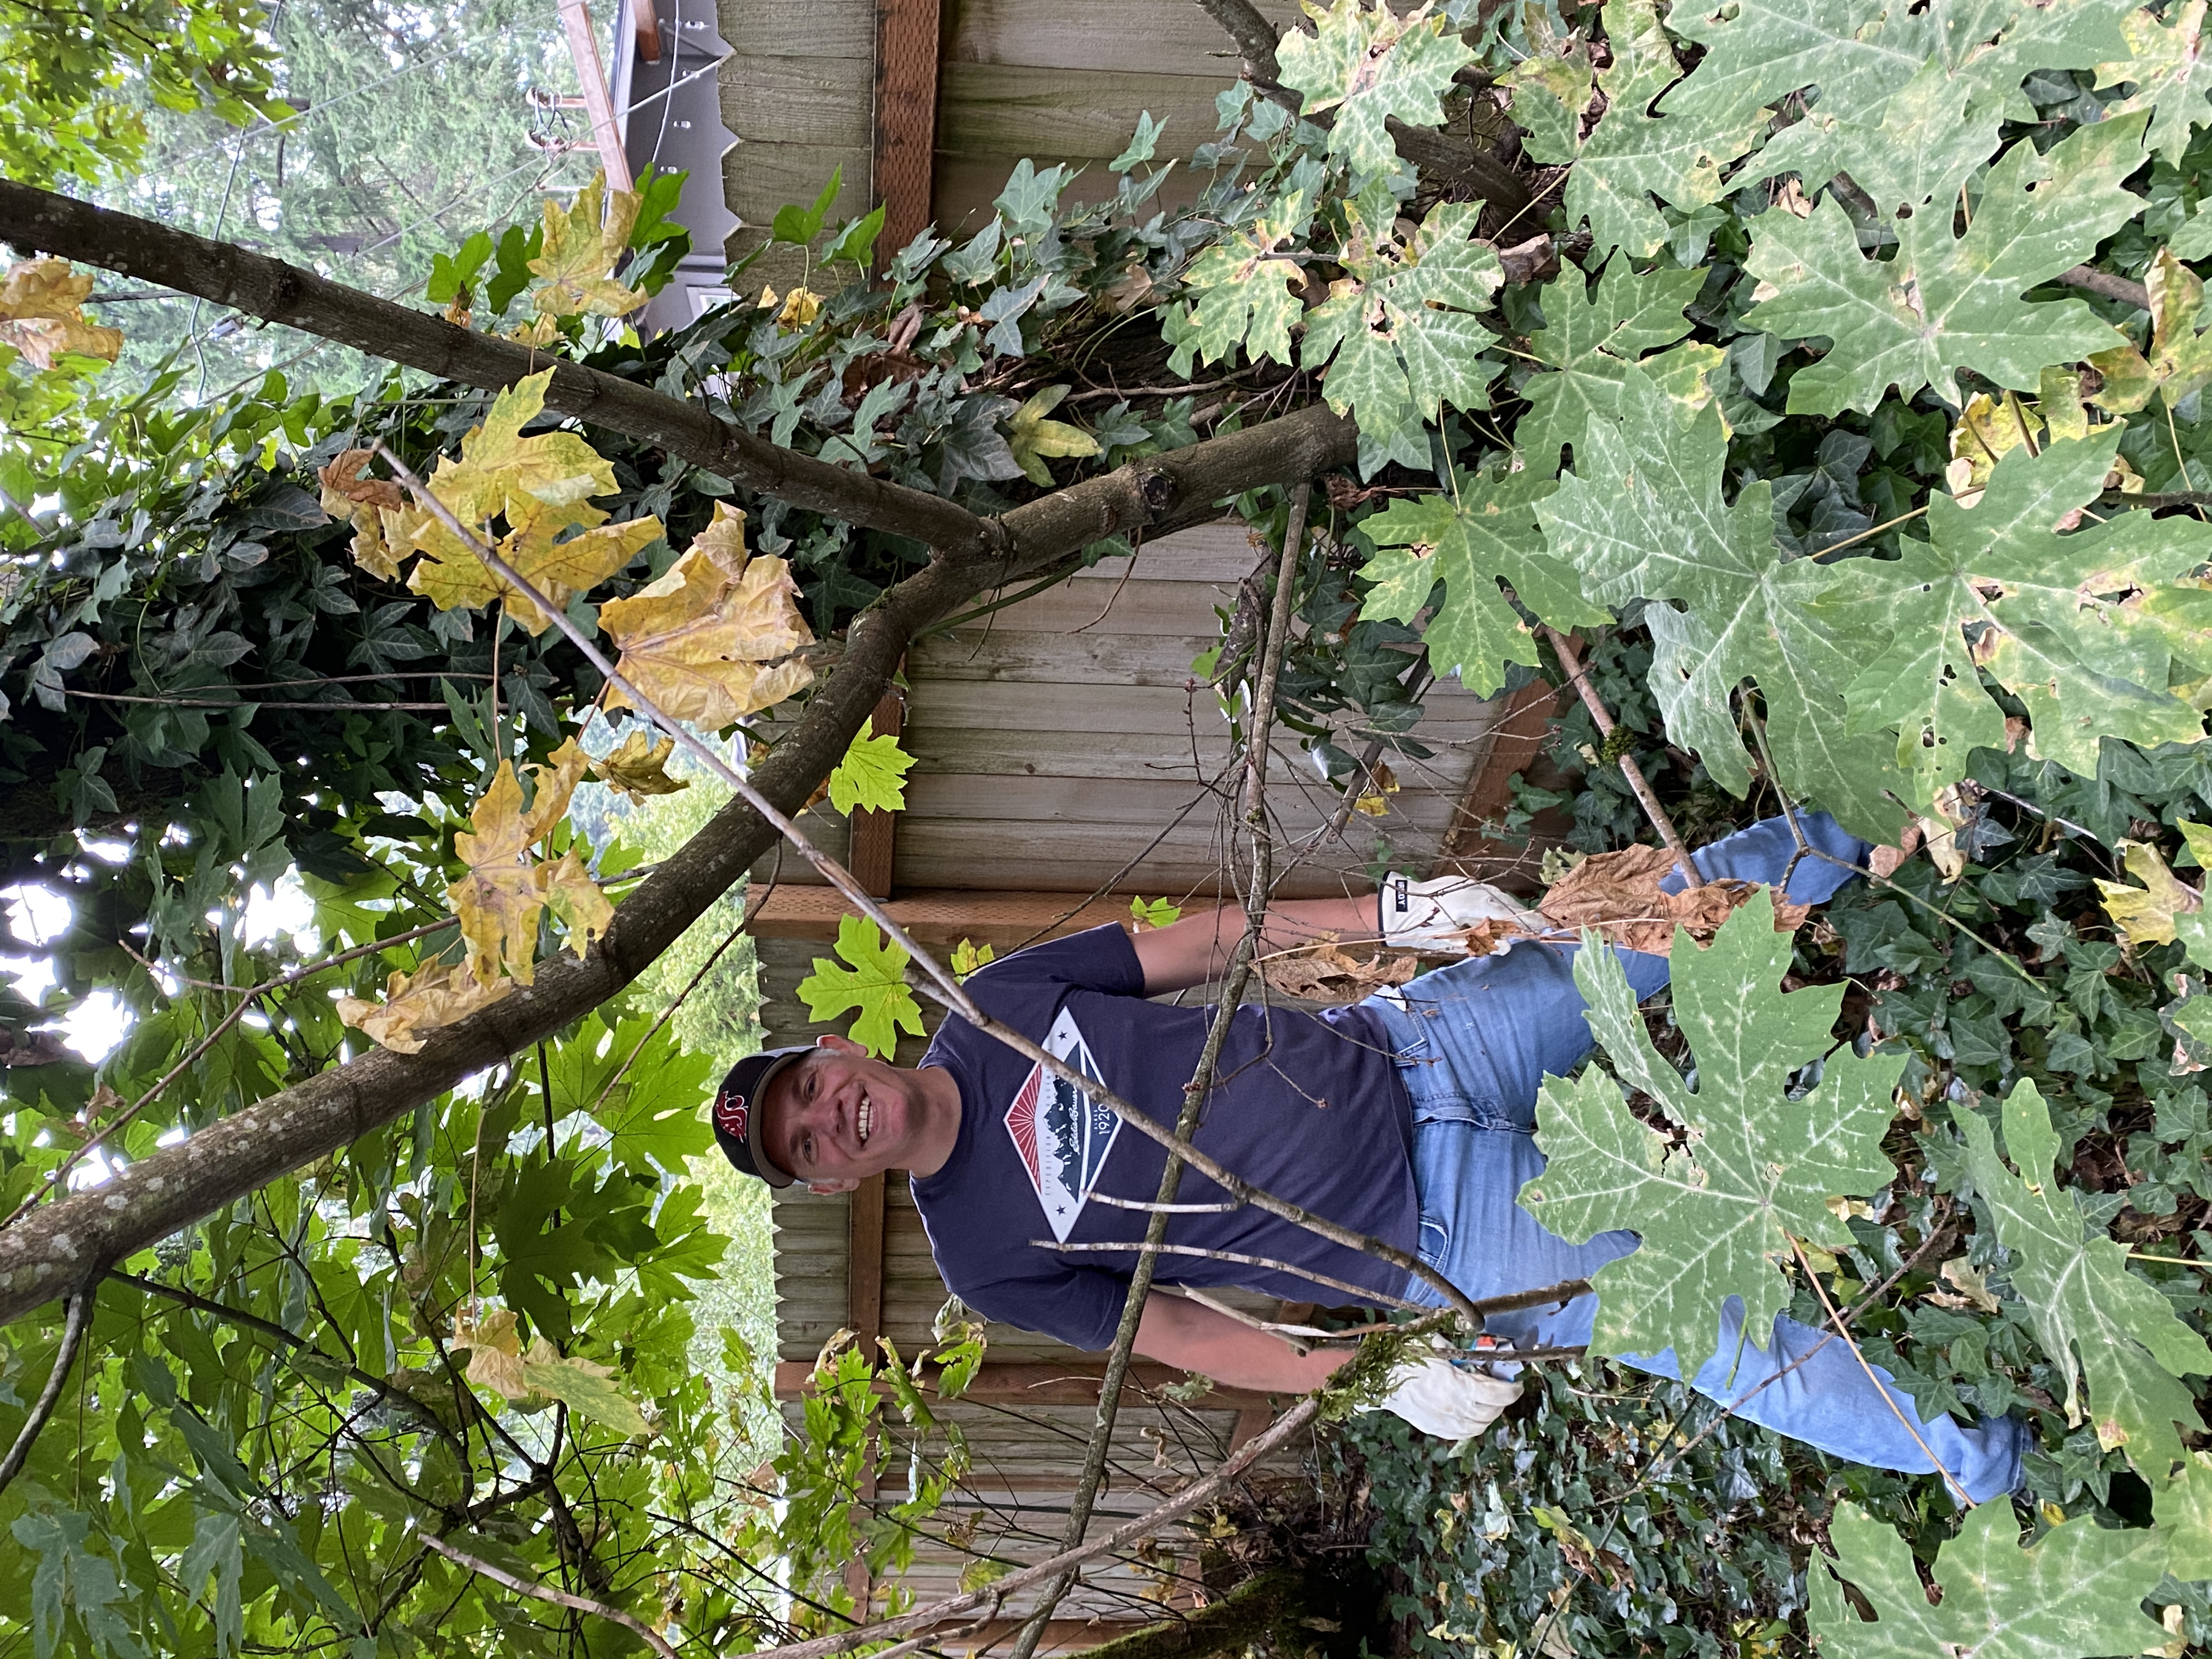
column 1454, row 1398
column 1434, row 915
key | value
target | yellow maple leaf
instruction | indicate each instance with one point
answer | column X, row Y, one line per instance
column 500, row 898
column 800, row 306
column 640, row 767
column 578, row 254
column 714, row 639
column 495, row 1349
column 42, row 316
column 534, row 1377
column 584, row 910
column 2145, row 914
column 451, row 574
column 437, row 994
column 500, row 470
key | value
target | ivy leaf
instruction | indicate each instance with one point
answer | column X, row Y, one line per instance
column 2082, row 1299
column 875, row 983
column 1645, row 517
column 1718, row 1214
column 578, row 254
column 2059, row 622
column 1399, row 341
column 1032, row 437
column 2075, row 1591
column 1591, row 330
column 1482, row 534
column 715, row 638
column 1149, row 912
column 872, row 774
column 1948, row 302
column 2163, row 907
column 42, row 315
column 2166, row 66
column 1632, row 155
column 1368, row 64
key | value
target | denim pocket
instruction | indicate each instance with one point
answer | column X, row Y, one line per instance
column 1435, row 1243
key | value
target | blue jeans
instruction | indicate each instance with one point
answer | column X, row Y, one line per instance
column 1473, row 1043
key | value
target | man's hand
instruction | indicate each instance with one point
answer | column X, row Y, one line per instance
column 1454, row 1399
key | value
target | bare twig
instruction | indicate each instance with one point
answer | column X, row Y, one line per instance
column 938, row 984
column 1851, row 1342
column 1603, row 717
column 1149, row 1249
column 1173, row 1509
column 642, row 1631
column 1201, row 1083
column 80, row 1316
column 2104, row 283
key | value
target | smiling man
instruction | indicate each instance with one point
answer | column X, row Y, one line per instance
column 1408, row 1117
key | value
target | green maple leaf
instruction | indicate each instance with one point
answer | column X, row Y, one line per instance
column 874, row 982
column 1032, row 437
column 1643, row 513
column 1857, row 52
column 1632, row 155
column 872, row 774
column 2074, row 1592
column 2165, row 65
column 582, row 1387
column 2083, row 627
column 1591, row 331
column 1470, row 541
column 1716, row 1216
column 2080, row 1297
column 2183, row 1509
column 1246, row 295
column 1369, row 64
column 1916, row 148
column 1402, row 341
column 1948, row 302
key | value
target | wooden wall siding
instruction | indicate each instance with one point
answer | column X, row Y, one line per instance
column 798, row 90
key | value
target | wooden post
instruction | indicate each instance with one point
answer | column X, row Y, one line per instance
column 606, row 134
column 873, row 846
column 647, row 22
column 906, row 119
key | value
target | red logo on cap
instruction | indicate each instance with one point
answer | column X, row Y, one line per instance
column 730, row 1115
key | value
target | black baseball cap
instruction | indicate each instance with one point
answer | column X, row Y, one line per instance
column 739, row 1124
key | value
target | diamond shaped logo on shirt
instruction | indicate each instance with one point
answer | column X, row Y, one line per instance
column 1062, row 1135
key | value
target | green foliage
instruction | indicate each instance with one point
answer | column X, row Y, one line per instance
column 1717, row 1215
column 2132, row 1346
column 872, row 774
column 1367, row 65
column 1154, row 913
column 872, row 977
column 2076, row 1591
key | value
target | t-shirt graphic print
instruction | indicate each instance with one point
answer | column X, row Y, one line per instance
column 1062, row 1136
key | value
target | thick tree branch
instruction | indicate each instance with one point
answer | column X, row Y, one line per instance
column 1159, row 494
column 278, row 292
column 2112, row 287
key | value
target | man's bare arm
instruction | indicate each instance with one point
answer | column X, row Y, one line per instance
column 1194, row 1337
column 1198, row 948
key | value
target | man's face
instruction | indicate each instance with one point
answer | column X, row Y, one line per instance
column 838, row 1116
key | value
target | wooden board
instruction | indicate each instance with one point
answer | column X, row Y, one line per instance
column 1162, row 37
column 1136, row 606
column 994, row 109
column 800, row 28
column 803, row 101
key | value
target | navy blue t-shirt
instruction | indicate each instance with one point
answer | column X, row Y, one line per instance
column 1309, row 1108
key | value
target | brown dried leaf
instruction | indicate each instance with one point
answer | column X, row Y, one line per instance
column 344, row 486
column 1328, row 973
column 437, row 994
column 1618, row 894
